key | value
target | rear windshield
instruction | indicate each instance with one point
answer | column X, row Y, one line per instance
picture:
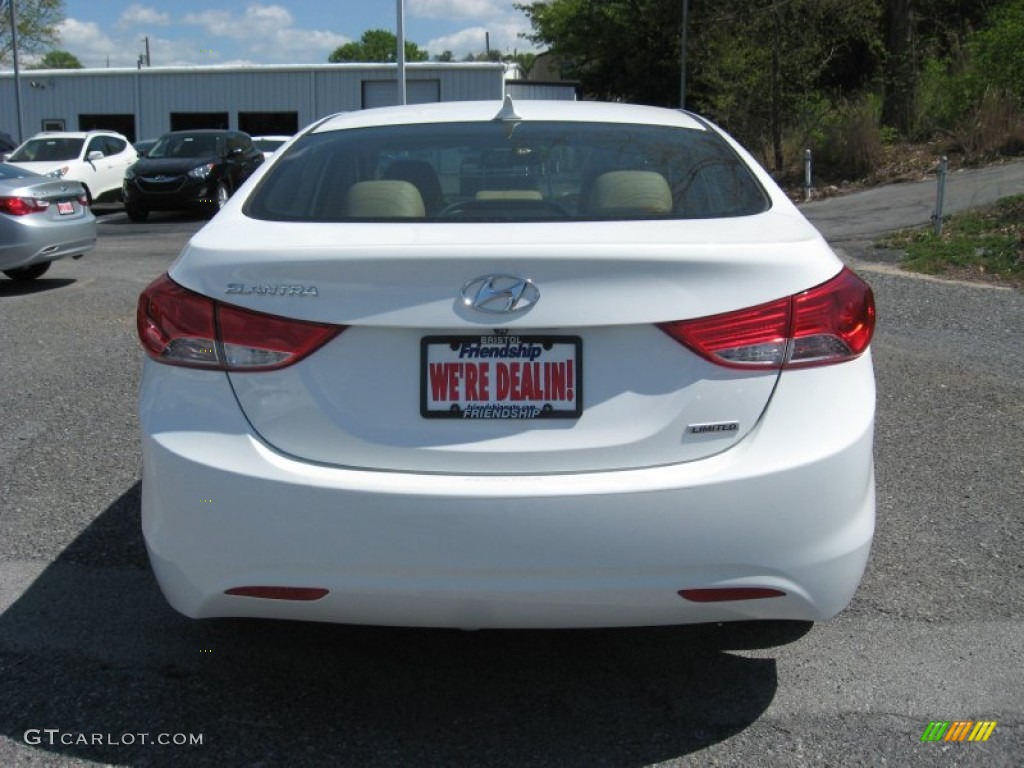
column 508, row 171
column 42, row 150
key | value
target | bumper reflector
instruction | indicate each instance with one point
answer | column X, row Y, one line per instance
column 724, row 594
column 278, row 593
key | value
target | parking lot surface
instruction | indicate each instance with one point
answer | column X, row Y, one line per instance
column 96, row 668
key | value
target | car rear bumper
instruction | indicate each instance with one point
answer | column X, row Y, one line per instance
column 790, row 508
column 26, row 249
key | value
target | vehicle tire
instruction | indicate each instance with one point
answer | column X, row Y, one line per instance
column 31, row 272
column 220, row 198
column 135, row 213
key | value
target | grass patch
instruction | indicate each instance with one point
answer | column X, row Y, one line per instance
column 985, row 242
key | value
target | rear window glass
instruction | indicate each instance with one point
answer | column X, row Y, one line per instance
column 508, row 171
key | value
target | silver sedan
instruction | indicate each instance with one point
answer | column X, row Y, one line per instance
column 41, row 219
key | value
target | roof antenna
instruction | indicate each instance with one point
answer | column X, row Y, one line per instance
column 507, row 111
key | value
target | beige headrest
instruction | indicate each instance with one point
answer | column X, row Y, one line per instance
column 383, row 200
column 631, row 193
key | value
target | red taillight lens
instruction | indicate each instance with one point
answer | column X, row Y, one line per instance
column 83, row 200
column 179, row 327
column 828, row 324
column 20, row 206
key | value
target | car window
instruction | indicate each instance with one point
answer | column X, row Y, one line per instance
column 241, row 141
column 97, row 144
column 13, row 172
column 42, row 150
column 184, row 145
column 530, row 171
column 114, row 145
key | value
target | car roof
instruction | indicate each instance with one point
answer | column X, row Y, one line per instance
column 478, row 111
column 74, row 134
column 200, row 131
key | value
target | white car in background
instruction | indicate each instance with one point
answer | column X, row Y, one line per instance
column 542, row 364
column 97, row 159
column 268, row 145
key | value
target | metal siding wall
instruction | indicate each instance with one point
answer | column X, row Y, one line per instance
column 313, row 93
column 63, row 97
column 544, row 91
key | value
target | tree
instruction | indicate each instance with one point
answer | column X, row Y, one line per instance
column 377, row 45
column 58, row 60
column 618, row 49
column 752, row 64
column 37, row 26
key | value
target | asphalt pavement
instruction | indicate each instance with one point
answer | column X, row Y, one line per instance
column 95, row 668
column 874, row 211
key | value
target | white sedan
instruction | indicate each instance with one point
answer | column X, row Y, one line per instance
column 532, row 364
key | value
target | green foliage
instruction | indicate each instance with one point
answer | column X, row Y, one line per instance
column 986, row 241
column 998, row 50
column 618, row 49
column 376, row 45
column 58, row 60
column 37, row 27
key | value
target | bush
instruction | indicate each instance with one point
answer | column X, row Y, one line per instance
column 850, row 143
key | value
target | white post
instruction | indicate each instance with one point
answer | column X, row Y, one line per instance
column 401, row 51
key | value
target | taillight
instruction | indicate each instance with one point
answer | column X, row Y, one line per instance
column 83, row 200
column 828, row 324
column 20, row 206
column 180, row 327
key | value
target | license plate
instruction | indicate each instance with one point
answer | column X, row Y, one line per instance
column 501, row 377
column 64, row 207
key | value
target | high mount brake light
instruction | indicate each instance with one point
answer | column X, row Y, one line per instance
column 179, row 327
column 828, row 324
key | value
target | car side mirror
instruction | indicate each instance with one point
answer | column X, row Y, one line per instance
column 94, row 155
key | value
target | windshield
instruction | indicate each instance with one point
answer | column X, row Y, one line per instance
column 494, row 171
column 11, row 172
column 42, row 150
column 178, row 145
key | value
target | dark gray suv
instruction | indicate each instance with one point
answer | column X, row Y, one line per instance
column 189, row 170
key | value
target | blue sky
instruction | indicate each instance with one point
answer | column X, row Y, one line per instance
column 196, row 32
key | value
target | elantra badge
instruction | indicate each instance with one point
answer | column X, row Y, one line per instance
column 246, row 289
column 500, row 294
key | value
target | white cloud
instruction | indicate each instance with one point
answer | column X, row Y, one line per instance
column 455, row 9
column 136, row 15
column 504, row 36
column 267, row 32
column 91, row 45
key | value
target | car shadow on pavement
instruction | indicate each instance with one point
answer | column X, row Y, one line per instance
column 27, row 287
column 92, row 652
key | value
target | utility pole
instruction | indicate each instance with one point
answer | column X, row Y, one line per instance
column 401, row 51
column 148, row 62
column 17, row 74
column 682, row 55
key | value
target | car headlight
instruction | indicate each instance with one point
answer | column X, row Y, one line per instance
column 58, row 173
column 201, row 172
column 129, row 173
